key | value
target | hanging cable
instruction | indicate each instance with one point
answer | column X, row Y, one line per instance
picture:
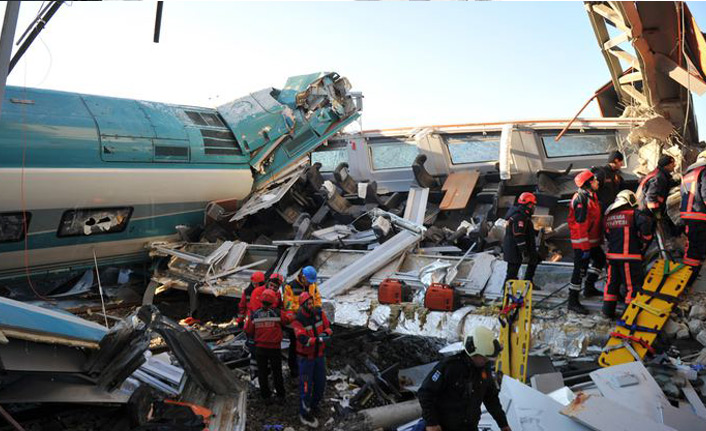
column 100, row 289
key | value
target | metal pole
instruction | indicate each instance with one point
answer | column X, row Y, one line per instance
column 3, row 412
column 41, row 23
column 7, row 36
column 158, row 21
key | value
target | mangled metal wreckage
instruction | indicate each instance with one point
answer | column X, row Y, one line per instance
column 422, row 205
column 52, row 356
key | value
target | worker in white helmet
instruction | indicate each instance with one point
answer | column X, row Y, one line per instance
column 452, row 393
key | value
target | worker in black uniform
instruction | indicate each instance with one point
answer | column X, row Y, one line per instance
column 693, row 213
column 610, row 181
column 653, row 192
column 628, row 231
column 453, row 391
column 519, row 240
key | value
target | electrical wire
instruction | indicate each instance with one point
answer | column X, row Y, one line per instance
column 23, row 200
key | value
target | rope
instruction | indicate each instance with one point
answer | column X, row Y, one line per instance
column 100, row 289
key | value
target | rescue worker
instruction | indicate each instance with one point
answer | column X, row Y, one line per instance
column 275, row 282
column 586, row 236
column 519, row 240
column 610, row 182
column 265, row 327
column 453, row 391
column 693, row 213
column 312, row 330
column 653, row 192
column 257, row 279
column 304, row 282
column 245, row 308
column 628, row 230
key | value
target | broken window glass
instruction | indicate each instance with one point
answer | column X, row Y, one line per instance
column 85, row 222
column 12, row 226
column 473, row 148
column 393, row 153
column 574, row 144
column 329, row 158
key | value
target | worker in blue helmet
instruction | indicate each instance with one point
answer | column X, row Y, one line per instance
column 305, row 281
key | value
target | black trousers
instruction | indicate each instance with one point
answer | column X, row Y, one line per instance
column 269, row 360
column 624, row 280
column 589, row 268
column 292, row 360
column 695, row 251
column 513, row 269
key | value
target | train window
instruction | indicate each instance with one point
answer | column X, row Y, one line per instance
column 393, row 153
column 473, row 148
column 329, row 158
column 220, row 142
column 575, row 144
column 94, row 221
column 12, row 226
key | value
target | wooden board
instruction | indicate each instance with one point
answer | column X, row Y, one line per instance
column 458, row 187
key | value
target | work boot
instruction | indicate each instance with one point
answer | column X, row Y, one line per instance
column 308, row 420
column 589, row 288
column 609, row 309
column 575, row 304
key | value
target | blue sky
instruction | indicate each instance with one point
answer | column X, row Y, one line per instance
column 416, row 62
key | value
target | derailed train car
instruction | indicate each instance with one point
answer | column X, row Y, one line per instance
column 82, row 173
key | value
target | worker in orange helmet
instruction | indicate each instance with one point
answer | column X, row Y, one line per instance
column 585, row 225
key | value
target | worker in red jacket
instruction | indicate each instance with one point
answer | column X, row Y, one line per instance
column 693, row 213
column 257, row 279
column 312, row 330
column 585, row 225
column 265, row 327
column 628, row 231
column 274, row 283
column 245, row 308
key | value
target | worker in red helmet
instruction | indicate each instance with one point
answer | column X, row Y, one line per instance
column 265, row 326
column 276, row 283
column 519, row 242
column 312, row 330
column 257, row 279
column 245, row 308
column 585, row 225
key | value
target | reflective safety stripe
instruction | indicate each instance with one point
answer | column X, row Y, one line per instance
column 628, row 282
column 623, row 256
column 607, row 297
column 574, row 286
column 579, row 241
column 266, row 319
column 691, row 262
column 692, row 215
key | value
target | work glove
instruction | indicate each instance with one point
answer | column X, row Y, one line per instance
column 585, row 255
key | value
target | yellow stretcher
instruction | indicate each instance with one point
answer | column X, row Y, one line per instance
column 644, row 317
column 515, row 330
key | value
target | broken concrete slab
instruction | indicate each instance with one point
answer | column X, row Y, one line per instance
column 602, row 414
column 631, row 386
column 529, row 409
column 697, row 311
column 547, row 383
column 696, row 404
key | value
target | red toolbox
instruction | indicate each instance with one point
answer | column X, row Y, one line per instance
column 394, row 291
column 440, row 297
